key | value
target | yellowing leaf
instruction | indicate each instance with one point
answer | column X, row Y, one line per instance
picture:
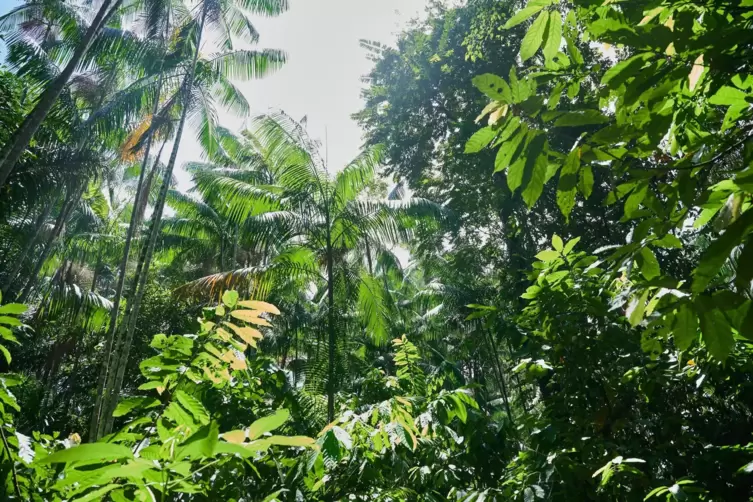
column 291, row 441
column 250, row 316
column 248, row 335
column 696, row 72
column 262, row 306
column 236, row 437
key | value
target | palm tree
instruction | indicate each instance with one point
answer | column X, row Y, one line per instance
column 320, row 224
column 228, row 20
column 83, row 34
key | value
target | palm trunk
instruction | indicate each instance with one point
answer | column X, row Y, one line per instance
column 23, row 135
column 332, row 334
column 65, row 211
column 29, row 246
column 132, row 229
column 123, row 352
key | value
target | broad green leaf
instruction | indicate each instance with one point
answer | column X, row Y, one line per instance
column 586, row 181
column 88, row 452
column 649, row 266
column 568, row 182
column 729, row 96
column 718, row 252
column 548, row 255
column 636, row 309
column 526, row 13
column 716, row 331
column 553, row 35
column 268, row 424
column 509, row 150
column 669, row 241
column 557, row 243
column 633, row 202
column 685, row 327
column 570, row 245
column 619, row 73
column 201, row 444
column 494, row 87
column 6, row 354
column 581, row 118
column 230, row 299
column 96, row 494
column 13, row 308
column 534, row 36
column 535, row 183
column 194, row 406
column 130, row 403
column 480, row 140
column 9, row 321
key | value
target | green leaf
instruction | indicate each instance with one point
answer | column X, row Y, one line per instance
column 230, row 299
column 633, row 202
column 6, row 354
column 480, row 140
column 718, row 252
column 716, row 331
column 529, row 11
column 548, row 255
column 494, row 87
column 13, row 308
column 650, row 266
column 194, row 406
column 268, row 424
column 568, row 182
column 553, row 35
column 729, row 96
column 581, row 118
column 130, row 403
column 557, row 243
column 9, row 321
column 636, row 309
column 570, row 245
column 619, row 73
column 509, row 151
column 535, row 183
column 685, row 327
column 586, row 181
column 88, row 452
column 669, row 241
column 534, row 36
column 201, row 444
column 96, row 494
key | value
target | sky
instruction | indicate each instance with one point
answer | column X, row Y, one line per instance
column 322, row 78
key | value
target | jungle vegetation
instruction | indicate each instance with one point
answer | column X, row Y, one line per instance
column 533, row 283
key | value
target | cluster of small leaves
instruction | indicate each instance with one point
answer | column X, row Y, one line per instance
column 664, row 120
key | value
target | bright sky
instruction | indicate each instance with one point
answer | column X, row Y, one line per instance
column 322, row 79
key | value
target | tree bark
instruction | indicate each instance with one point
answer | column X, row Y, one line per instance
column 23, row 135
column 123, row 352
column 132, row 230
column 71, row 201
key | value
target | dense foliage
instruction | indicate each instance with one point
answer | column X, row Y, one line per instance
column 535, row 281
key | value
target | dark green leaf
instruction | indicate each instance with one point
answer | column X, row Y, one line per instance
column 534, row 36
column 716, row 331
column 568, row 182
column 719, row 250
column 581, row 118
column 649, row 265
column 480, row 140
column 586, row 181
column 685, row 327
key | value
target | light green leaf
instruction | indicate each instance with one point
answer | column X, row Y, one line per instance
column 230, row 299
column 535, row 185
column 88, row 452
column 480, row 140
column 570, row 245
column 494, row 87
column 557, row 243
column 13, row 308
column 201, row 444
column 268, row 424
column 729, row 96
column 619, row 73
column 529, row 11
column 636, row 309
column 669, row 241
column 96, row 494
column 553, row 35
column 194, row 406
column 130, row 403
column 548, row 255
column 509, row 151
column 534, row 36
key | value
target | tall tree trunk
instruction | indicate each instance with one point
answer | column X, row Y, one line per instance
column 331, row 329
column 71, row 200
column 13, row 150
column 132, row 230
column 111, row 393
column 21, row 258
